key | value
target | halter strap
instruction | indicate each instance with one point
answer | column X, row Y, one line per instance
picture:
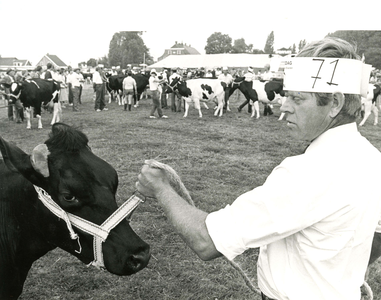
column 101, row 232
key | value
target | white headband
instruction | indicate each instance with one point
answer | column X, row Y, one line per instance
column 326, row 75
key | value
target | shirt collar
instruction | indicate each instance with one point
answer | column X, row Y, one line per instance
column 333, row 136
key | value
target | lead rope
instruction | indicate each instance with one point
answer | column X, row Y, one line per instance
column 180, row 188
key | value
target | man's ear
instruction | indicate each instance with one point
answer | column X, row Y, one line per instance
column 337, row 104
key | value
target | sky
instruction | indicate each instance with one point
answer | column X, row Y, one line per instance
column 78, row 30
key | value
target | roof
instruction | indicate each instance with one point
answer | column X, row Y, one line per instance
column 213, row 61
column 188, row 49
column 55, row 59
column 9, row 61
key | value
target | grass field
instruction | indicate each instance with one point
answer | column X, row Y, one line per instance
column 217, row 158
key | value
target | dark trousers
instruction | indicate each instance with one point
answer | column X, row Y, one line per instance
column 99, row 97
column 76, row 91
column 70, row 87
column 156, row 103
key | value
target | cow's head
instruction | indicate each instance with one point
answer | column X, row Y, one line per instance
column 181, row 86
column 16, row 88
column 272, row 88
column 83, row 185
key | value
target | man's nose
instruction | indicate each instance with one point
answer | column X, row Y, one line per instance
column 286, row 106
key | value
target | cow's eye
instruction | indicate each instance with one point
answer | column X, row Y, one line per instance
column 69, row 197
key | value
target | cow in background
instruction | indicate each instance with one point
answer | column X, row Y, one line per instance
column 36, row 93
column 263, row 91
column 80, row 185
column 369, row 103
column 200, row 90
column 115, row 84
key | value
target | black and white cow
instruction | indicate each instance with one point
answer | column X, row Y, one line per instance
column 35, row 93
column 115, row 84
column 200, row 90
column 266, row 92
column 369, row 103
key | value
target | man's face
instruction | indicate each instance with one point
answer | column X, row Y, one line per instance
column 305, row 118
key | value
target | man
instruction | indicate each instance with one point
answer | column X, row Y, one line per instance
column 7, row 81
column 228, row 79
column 69, row 85
column 129, row 89
column 48, row 73
column 175, row 105
column 100, row 102
column 313, row 219
column 76, row 79
column 154, row 83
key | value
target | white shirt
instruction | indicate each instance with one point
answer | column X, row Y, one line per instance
column 153, row 83
column 76, row 79
column 228, row 79
column 249, row 76
column 97, row 79
column 129, row 83
column 314, row 219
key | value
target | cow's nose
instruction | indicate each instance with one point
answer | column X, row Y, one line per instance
column 139, row 260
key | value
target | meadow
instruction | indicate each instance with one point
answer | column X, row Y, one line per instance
column 217, row 159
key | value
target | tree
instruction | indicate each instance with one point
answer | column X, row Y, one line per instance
column 127, row 47
column 257, row 51
column 293, row 50
column 104, row 61
column 241, row 47
column 269, row 46
column 368, row 42
column 92, row 62
column 218, row 43
column 302, row 43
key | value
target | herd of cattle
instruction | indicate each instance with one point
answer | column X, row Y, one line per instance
column 39, row 92
column 65, row 172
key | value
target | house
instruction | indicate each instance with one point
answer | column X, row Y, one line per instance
column 14, row 63
column 53, row 59
column 179, row 49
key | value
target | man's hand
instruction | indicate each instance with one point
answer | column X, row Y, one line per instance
column 151, row 181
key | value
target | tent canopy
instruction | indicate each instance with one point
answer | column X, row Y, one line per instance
column 212, row 61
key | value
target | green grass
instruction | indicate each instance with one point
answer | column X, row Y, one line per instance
column 217, row 158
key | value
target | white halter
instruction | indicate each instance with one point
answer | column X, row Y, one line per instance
column 101, row 232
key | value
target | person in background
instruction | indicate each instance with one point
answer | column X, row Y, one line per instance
column 69, row 85
column 76, row 80
column 98, row 89
column 6, row 82
column 63, row 97
column 175, row 103
column 228, row 79
column 154, row 83
column 129, row 89
column 163, row 94
column 312, row 218
column 48, row 73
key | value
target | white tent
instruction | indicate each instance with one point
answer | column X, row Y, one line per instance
column 241, row 60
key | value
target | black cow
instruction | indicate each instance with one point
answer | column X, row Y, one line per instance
column 81, row 185
column 35, row 93
column 115, row 83
column 264, row 91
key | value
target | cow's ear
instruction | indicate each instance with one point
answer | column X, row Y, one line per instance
column 39, row 159
column 18, row 161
